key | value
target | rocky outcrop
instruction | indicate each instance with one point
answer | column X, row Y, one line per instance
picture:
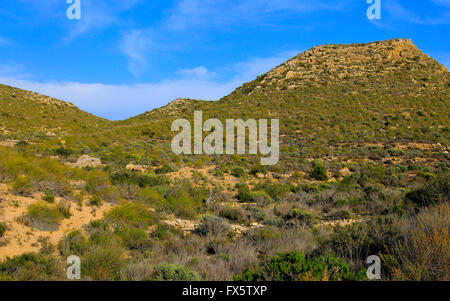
column 87, row 161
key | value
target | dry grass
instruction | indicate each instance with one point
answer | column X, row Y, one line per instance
column 425, row 254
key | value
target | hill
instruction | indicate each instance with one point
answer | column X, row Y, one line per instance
column 28, row 115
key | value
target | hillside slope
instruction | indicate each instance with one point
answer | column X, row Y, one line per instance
column 28, row 115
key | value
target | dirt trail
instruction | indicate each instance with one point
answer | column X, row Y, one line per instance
column 19, row 239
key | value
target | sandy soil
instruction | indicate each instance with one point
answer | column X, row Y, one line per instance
column 19, row 239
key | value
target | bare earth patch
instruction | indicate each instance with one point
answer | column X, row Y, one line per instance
column 19, row 238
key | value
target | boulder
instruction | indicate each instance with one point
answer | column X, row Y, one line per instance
column 87, row 161
column 136, row 168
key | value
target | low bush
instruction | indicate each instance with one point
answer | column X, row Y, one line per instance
column 277, row 191
column 132, row 214
column 171, row 272
column 238, row 172
column 141, row 180
column 72, row 243
column 44, row 216
column 213, row 225
column 358, row 241
column 243, row 192
column 32, row 267
column 437, row 191
column 256, row 213
column 95, row 201
column 302, row 216
column 48, row 197
column 260, row 197
column 167, row 168
column 234, row 214
column 258, row 168
column 103, row 262
column 22, row 185
column 318, row 172
column 133, row 238
column 295, row 266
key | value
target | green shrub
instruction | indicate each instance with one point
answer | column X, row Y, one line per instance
column 64, row 152
column 141, row 180
column 219, row 173
column 42, row 215
column 32, row 267
column 132, row 214
column 306, row 218
column 258, row 168
column 295, row 266
column 171, row 272
column 257, row 213
column 277, row 191
column 360, row 240
column 167, row 168
column 318, row 172
column 185, row 199
column 260, row 197
column 133, row 238
column 232, row 213
column 22, row 185
column 64, row 208
column 48, row 197
column 238, row 172
column 152, row 196
column 436, row 191
column 95, row 201
column 243, row 192
column 276, row 222
column 164, row 231
column 72, row 243
column 103, row 262
column 97, row 181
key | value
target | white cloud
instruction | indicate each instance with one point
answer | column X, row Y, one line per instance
column 123, row 101
column 135, row 45
column 96, row 15
column 199, row 73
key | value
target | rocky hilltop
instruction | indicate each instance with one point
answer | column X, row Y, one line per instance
column 346, row 64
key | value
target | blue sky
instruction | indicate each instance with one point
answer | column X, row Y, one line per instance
column 125, row 57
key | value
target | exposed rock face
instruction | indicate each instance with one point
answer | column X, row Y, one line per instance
column 87, row 161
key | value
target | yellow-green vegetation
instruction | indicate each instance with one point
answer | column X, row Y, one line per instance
column 132, row 214
column 43, row 215
column 28, row 115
